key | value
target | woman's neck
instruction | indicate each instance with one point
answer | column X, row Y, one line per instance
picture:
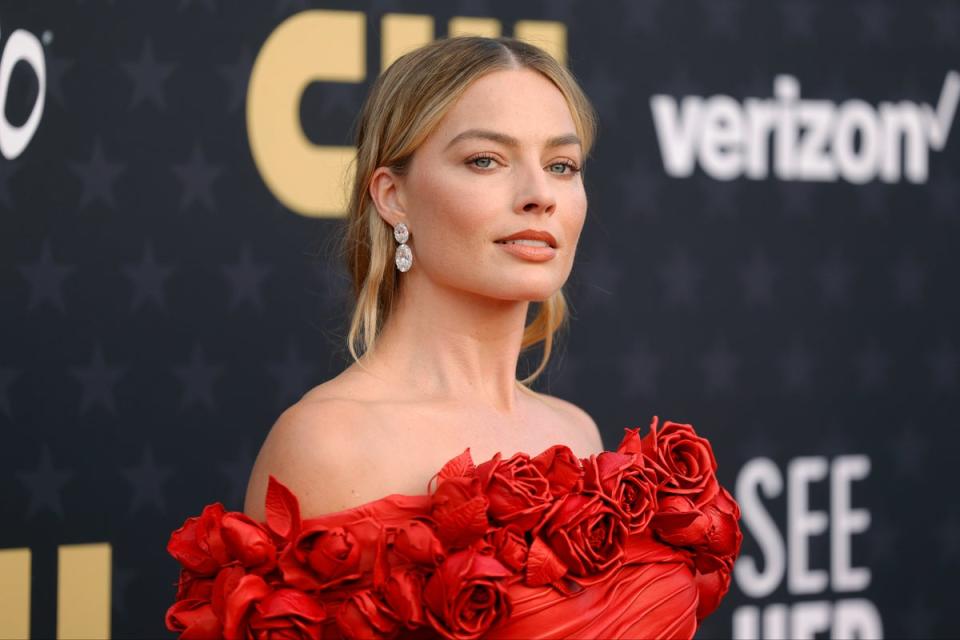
column 445, row 343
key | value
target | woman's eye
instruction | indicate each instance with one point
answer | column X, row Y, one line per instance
column 563, row 165
column 486, row 160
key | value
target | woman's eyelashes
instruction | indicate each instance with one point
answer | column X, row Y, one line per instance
column 568, row 167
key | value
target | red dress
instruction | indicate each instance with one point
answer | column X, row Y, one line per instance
column 633, row 543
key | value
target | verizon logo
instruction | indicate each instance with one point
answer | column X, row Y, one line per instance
column 802, row 139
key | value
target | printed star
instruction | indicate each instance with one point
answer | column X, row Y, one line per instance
column 943, row 366
column 148, row 278
column 872, row 366
column 875, row 18
column 639, row 370
column 57, row 67
column 292, row 375
column 908, row 277
column 796, row 366
column 148, row 77
column 640, row 190
column 909, row 450
column 45, row 277
column 237, row 76
column 245, row 278
column 197, row 378
column 45, row 485
column 797, row 198
column 719, row 366
column 98, row 176
column 196, row 178
column 237, row 473
column 98, row 381
column 757, row 278
column 641, row 15
column 798, row 18
column 719, row 198
column 723, row 16
column 146, row 480
column 680, row 276
column 835, row 276
column 7, row 376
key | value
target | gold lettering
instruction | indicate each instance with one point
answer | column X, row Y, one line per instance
column 15, row 593
column 83, row 590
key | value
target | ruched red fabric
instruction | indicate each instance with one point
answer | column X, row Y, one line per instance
column 633, row 543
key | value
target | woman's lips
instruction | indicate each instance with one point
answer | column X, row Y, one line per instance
column 539, row 252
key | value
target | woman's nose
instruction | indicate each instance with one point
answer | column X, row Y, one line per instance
column 535, row 193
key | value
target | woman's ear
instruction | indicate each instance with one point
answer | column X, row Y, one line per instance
column 385, row 191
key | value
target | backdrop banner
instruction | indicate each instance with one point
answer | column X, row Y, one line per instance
column 770, row 254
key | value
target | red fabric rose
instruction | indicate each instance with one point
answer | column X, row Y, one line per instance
column 561, row 469
column 586, row 532
column 286, row 614
column 466, row 596
column 364, row 615
column 683, row 460
column 322, row 557
column 198, row 545
column 509, row 547
column 190, row 586
column 711, row 587
column 417, row 542
column 403, row 591
column 679, row 522
column 216, row 538
column 517, row 490
column 627, row 481
column 459, row 507
column 194, row 619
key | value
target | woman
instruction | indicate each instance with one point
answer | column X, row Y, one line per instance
column 467, row 205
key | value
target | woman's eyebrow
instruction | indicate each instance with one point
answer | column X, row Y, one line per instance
column 509, row 141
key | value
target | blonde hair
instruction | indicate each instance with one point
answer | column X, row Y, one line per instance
column 405, row 104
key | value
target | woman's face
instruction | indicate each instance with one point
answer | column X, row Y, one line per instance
column 504, row 160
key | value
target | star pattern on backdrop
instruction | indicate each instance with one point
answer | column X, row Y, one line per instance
column 45, row 277
column 293, row 375
column 720, row 365
column 146, row 481
column 196, row 177
column 148, row 278
column 723, row 17
column 875, row 18
column 57, row 68
column 798, row 18
column 908, row 280
column 7, row 171
column 196, row 380
column 45, row 485
column 943, row 366
column 245, row 278
column 796, row 366
column 98, row 380
column 680, row 277
column 945, row 19
column 640, row 188
column 148, row 76
column 835, row 277
column 236, row 471
column 639, row 371
column 757, row 276
column 909, row 450
column 237, row 76
column 642, row 15
column 97, row 176
column 872, row 368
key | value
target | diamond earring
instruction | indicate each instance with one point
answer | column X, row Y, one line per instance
column 404, row 257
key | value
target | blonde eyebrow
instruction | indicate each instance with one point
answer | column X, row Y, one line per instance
column 510, row 141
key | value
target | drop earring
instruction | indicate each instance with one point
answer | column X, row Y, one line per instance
column 404, row 257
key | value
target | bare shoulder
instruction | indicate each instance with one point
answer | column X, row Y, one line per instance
column 581, row 421
column 311, row 448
